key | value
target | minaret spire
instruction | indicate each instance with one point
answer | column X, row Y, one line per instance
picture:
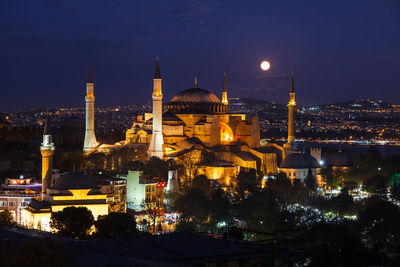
column 90, row 142
column 291, row 83
column 90, row 74
column 157, row 73
column 224, row 92
column 156, row 142
column 224, row 83
column 195, row 82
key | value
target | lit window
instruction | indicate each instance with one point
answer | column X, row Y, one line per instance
column 11, row 203
column 3, row 203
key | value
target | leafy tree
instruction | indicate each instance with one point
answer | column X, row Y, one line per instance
column 310, row 181
column 6, row 218
column 156, row 167
column 395, row 191
column 333, row 245
column 287, row 191
column 380, row 228
column 202, row 183
column 377, row 185
column 343, row 202
column 260, row 211
column 115, row 224
column 72, row 221
column 247, row 181
column 117, row 206
column 189, row 164
column 328, row 176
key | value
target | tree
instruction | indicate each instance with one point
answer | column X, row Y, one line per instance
column 189, row 162
column 343, row 202
column 395, row 191
column 260, row 211
column 310, row 181
column 202, row 183
column 333, row 245
column 247, row 181
column 117, row 206
column 379, row 223
column 377, row 185
column 116, row 224
column 328, row 177
column 6, row 218
column 72, row 221
column 156, row 167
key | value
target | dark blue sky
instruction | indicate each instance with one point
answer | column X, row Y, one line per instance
column 333, row 47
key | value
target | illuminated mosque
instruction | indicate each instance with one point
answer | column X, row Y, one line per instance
column 197, row 120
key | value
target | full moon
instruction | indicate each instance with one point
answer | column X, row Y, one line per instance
column 265, row 65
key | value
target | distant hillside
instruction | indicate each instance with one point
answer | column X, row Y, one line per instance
column 250, row 101
column 359, row 104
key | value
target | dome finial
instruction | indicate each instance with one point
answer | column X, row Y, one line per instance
column 195, row 82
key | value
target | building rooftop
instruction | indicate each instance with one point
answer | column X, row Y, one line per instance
column 73, row 180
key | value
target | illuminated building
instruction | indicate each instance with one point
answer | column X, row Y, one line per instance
column 17, row 193
column 142, row 191
column 297, row 165
column 90, row 142
column 196, row 119
column 60, row 191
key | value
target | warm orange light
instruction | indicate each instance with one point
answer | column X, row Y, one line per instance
column 265, row 65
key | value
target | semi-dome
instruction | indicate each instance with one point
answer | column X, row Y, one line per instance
column 299, row 161
column 339, row 159
column 197, row 95
column 195, row 101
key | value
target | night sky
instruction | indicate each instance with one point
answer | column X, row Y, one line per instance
column 337, row 50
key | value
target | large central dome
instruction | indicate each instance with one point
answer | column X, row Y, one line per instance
column 195, row 101
column 196, row 95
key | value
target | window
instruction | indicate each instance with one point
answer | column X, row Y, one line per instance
column 294, row 174
column 3, row 203
column 11, row 203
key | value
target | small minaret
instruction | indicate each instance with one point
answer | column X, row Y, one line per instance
column 90, row 142
column 47, row 149
column 224, row 92
column 291, row 115
column 156, row 143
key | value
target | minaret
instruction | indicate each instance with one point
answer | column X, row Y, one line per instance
column 291, row 115
column 224, row 92
column 47, row 149
column 90, row 138
column 156, row 143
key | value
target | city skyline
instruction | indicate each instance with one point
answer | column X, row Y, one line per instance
column 333, row 59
